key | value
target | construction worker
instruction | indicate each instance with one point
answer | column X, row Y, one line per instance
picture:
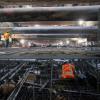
column 68, row 71
column 7, row 38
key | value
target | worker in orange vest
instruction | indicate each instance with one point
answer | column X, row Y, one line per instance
column 7, row 37
column 68, row 71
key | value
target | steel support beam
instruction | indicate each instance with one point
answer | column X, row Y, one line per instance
column 46, row 1
column 50, row 9
column 49, row 13
column 98, row 33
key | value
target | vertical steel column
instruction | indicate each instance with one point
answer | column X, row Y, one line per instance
column 33, row 89
column 98, row 76
column 51, row 77
column 98, row 34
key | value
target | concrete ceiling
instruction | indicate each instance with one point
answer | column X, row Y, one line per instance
column 46, row 2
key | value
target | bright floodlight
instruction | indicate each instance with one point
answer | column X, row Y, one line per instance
column 37, row 25
column 80, row 40
column 61, row 43
column 75, row 39
column 81, row 22
column 67, row 42
column 28, row 6
column 29, row 44
column 22, row 41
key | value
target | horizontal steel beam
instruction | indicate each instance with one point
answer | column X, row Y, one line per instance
column 52, row 30
column 49, row 13
column 50, row 27
column 46, row 1
column 53, row 36
column 55, row 59
column 50, row 9
column 57, row 30
column 48, row 16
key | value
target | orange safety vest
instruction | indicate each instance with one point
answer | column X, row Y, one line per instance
column 6, row 35
column 68, row 71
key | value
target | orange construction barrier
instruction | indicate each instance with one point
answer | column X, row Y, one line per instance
column 68, row 71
